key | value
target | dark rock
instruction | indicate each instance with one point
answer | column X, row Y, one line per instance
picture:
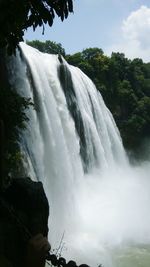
column 71, row 264
column 24, row 213
column 53, row 259
column 61, row 262
column 84, row 265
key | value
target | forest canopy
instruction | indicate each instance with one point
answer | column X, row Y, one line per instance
column 123, row 83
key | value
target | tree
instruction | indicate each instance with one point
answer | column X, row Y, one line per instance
column 16, row 17
column 47, row 47
column 90, row 53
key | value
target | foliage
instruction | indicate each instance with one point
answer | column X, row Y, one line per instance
column 15, row 18
column 47, row 47
column 13, row 113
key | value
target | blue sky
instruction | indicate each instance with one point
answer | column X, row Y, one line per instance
column 113, row 25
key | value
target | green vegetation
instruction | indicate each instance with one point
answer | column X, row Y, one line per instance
column 29, row 13
column 12, row 112
column 47, row 47
column 124, row 85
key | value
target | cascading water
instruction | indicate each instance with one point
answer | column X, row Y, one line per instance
column 97, row 201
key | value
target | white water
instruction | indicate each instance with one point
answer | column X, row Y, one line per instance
column 104, row 214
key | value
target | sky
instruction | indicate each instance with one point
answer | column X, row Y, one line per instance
column 113, row 25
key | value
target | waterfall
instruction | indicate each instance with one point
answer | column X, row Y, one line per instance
column 98, row 203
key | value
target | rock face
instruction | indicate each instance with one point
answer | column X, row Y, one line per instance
column 3, row 69
column 24, row 213
column 1, row 151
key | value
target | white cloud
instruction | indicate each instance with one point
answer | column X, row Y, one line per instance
column 135, row 35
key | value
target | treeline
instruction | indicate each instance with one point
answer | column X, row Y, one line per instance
column 123, row 83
